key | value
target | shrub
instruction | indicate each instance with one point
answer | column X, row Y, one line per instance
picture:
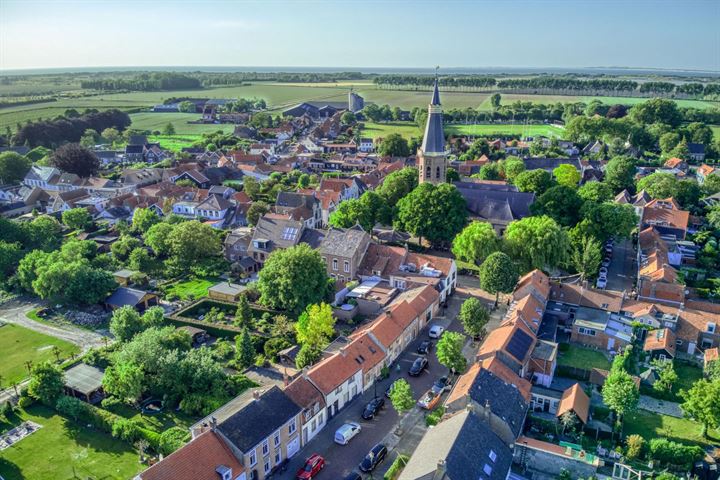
column 396, row 467
column 71, row 407
column 25, row 402
column 635, row 446
column 673, row 453
column 435, row 416
column 111, row 402
column 128, row 430
column 273, row 346
column 172, row 439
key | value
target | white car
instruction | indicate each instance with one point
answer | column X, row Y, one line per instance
column 603, row 271
column 435, row 331
column 601, row 282
column 606, row 262
column 345, row 433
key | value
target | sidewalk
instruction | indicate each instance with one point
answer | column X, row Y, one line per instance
column 412, row 431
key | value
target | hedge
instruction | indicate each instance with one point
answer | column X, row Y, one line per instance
column 396, row 467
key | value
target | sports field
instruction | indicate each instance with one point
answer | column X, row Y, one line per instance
column 19, row 345
column 523, row 130
column 375, row 130
column 157, row 121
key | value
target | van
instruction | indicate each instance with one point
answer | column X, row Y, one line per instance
column 345, row 433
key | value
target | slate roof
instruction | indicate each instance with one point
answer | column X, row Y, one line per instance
column 696, row 148
column 505, row 400
column 343, row 242
column 258, row 419
column 550, row 164
column 277, row 231
column 84, row 378
column 497, row 207
column 469, row 447
column 125, row 296
column 434, row 138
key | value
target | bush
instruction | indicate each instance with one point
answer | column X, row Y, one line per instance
column 396, row 467
column 25, row 401
column 673, row 453
column 72, row 407
column 172, row 439
column 435, row 416
column 111, row 402
column 128, row 430
column 635, row 446
column 273, row 346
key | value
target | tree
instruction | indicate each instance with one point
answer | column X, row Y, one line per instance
column 122, row 248
column 140, row 260
column 244, row 350
column 620, row 393
column 498, row 274
column 398, row 184
column 666, row 376
column 193, row 243
column 476, row 242
column 401, row 396
column 77, row 218
column 74, row 158
column 495, row 100
column 596, row 192
column 293, row 278
column 76, row 282
column 567, row 175
column 157, row 237
column 659, row 185
column 348, row 118
column 474, row 317
column 13, row 167
column 394, row 145
column 143, row 219
column 452, row 175
column 657, row 110
column 604, row 220
column 620, row 174
column 668, row 141
column 315, row 326
column 111, row 134
column 533, row 181
column 449, row 351
column 702, row 402
column 307, row 355
column 437, row 213
column 10, row 255
column 124, row 380
column 169, row 129
column 489, row 171
column 586, row 256
column 243, row 314
column 257, row 210
column 562, row 203
column 125, row 323
column 367, row 211
column 513, row 166
column 537, row 242
column 569, row 421
column 46, row 383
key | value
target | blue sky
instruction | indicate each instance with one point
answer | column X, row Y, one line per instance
column 681, row 34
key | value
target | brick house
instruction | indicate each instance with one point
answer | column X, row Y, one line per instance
column 342, row 250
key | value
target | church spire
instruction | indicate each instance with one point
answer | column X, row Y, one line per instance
column 434, row 139
column 436, row 93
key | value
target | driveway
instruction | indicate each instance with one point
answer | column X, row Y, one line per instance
column 623, row 269
column 341, row 460
column 14, row 311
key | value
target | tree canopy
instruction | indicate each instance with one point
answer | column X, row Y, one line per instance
column 475, row 242
column 537, row 242
column 498, row 274
column 13, row 167
column 436, row 213
column 74, row 158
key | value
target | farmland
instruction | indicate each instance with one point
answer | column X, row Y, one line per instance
column 376, row 130
column 523, row 130
column 19, row 345
column 716, row 130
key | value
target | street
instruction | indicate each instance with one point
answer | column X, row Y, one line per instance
column 343, row 459
column 622, row 270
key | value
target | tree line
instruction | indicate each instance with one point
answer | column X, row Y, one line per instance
column 145, row 82
column 548, row 84
column 62, row 129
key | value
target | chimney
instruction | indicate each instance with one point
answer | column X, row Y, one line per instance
column 486, row 411
column 440, row 470
column 256, row 394
column 286, row 377
column 213, row 423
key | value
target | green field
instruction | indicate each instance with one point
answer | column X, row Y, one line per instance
column 64, row 450
column 194, row 288
column 716, row 130
column 19, row 345
column 157, row 121
column 175, row 142
column 375, row 130
column 652, row 425
column 523, row 130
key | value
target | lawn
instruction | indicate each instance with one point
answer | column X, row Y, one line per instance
column 586, row 358
column 63, row 450
column 523, row 130
column 687, row 376
column 19, row 345
column 375, row 130
column 175, row 142
column 716, row 131
column 157, row 423
column 194, row 288
column 651, row 425
column 157, row 121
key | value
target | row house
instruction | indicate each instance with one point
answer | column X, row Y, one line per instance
column 312, row 402
column 342, row 250
column 666, row 216
column 348, row 188
column 300, row 206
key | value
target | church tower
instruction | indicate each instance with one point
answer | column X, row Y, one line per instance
column 431, row 156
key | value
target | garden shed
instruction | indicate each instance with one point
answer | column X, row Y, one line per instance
column 84, row 381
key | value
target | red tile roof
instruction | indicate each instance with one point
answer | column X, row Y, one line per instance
column 661, row 339
column 576, row 400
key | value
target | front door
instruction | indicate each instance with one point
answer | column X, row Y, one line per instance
column 611, row 343
column 293, row 447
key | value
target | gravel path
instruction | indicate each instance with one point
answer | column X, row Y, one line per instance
column 662, row 407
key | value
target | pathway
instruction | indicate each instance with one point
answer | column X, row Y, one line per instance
column 663, row 407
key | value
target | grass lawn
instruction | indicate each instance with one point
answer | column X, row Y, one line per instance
column 716, row 130
column 157, row 121
column 64, row 450
column 651, row 425
column 524, row 130
column 196, row 288
column 157, row 423
column 375, row 130
column 175, row 142
column 687, row 376
column 19, row 345
column 580, row 357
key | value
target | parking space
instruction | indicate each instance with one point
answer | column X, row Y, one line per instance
column 622, row 269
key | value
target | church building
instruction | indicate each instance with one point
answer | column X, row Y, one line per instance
column 431, row 156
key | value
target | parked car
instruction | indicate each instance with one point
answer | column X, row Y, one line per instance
column 606, row 262
column 441, row 385
column 353, row 476
column 608, row 250
column 418, row 366
column 601, row 282
column 312, row 467
column 429, row 400
column 389, row 389
column 346, row 433
column 435, row 331
column 603, row 270
column 373, row 458
column 372, row 408
column 425, row 347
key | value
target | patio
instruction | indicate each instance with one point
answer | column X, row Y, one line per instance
column 18, row 433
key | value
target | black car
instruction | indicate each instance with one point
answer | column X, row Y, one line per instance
column 418, row 366
column 372, row 408
column 388, row 390
column 353, row 476
column 425, row 347
column 441, row 384
column 373, row 458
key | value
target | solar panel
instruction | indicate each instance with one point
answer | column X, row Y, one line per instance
column 289, row 233
column 519, row 344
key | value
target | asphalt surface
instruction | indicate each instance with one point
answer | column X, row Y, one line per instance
column 340, row 460
column 622, row 270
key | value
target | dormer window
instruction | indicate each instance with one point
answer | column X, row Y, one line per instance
column 710, row 327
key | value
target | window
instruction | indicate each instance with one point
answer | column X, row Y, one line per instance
column 711, row 327
column 292, row 427
column 278, row 457
column 265, row 448
column 346, row 266
column 277, row 438
column 706, row 344
column 437, row 172
column 253, row 458
column 427, row 171
column 487, row 469
column 267, row 465
column 492, row 455
column 586, row 331
column 335, row 264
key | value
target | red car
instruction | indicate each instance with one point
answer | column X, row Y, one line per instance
column 312, row 467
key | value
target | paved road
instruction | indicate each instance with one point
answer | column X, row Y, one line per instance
column 341, row 460
column 622, row 271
